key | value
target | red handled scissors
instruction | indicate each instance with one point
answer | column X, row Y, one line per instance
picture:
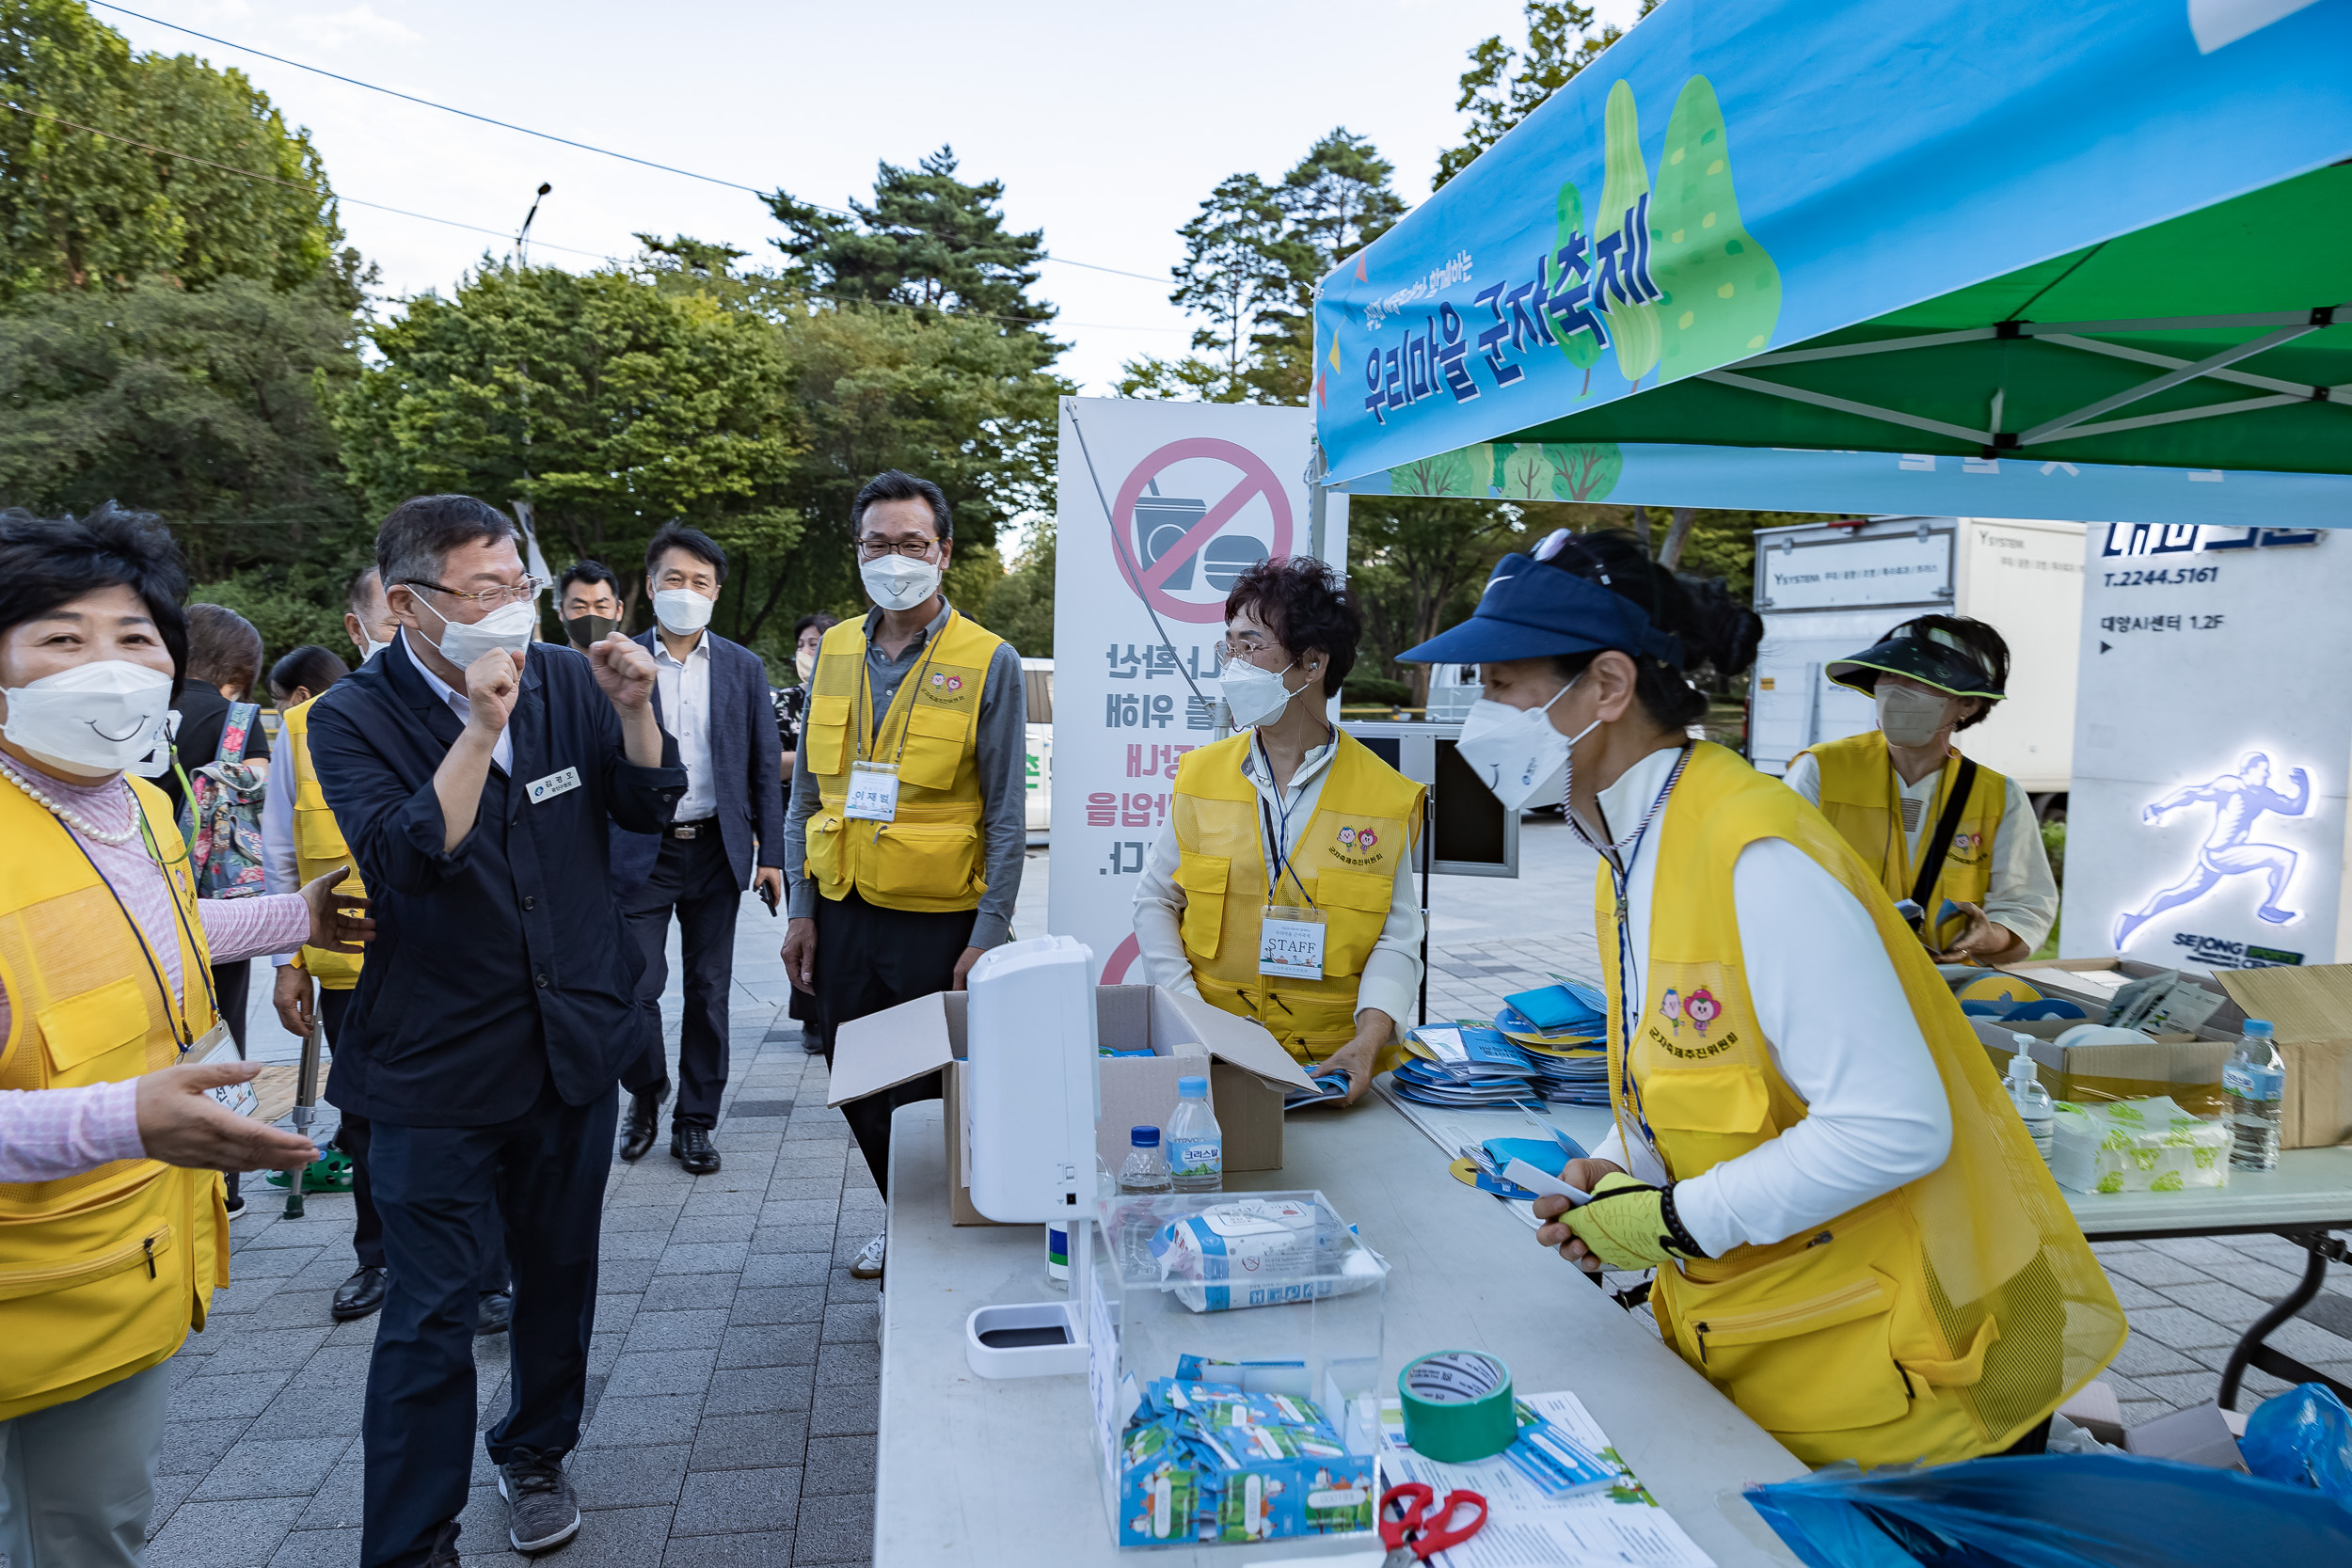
column 1421, row 1524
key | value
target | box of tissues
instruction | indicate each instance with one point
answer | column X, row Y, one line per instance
column 2137, row 1146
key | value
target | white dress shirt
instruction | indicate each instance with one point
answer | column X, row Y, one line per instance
column 1392, row 975
column 685, row 714
column 2023, row 895
column 1834, row 1017
column 503, row 752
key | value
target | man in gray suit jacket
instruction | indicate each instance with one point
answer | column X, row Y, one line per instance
column 712, row 695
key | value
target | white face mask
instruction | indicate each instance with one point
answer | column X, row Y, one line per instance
column 96, row 718
column 804, row 663
column 682, row 611
column 1255, row 696
column 897, row 584
column 1515, row 751
column 371, row 647
column 508, row 627
column 1910, row 718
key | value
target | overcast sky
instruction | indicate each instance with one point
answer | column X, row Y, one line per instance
column 1107, row 121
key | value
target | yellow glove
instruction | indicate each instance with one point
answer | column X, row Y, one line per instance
column 1631, row 1225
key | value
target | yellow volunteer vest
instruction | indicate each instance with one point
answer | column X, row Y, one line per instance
column 102, row 1273
column 318, row 844
column 1862, row 798
column 1347, row 856
column 930, row 858
column 1937, row 1322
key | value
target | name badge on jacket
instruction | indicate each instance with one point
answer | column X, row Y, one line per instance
column 543, row 790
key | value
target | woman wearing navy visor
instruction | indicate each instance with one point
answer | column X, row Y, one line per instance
column 1854, row 1237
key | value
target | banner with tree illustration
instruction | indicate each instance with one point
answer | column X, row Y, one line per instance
column 1733, row 177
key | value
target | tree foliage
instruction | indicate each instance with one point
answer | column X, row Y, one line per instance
column 85, row 196
column 612, row 406
column 1253, row 255
column 1504, row 85
column 201, row 405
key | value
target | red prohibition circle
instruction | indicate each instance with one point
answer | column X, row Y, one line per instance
column 1123, row 959
column 1256, row 479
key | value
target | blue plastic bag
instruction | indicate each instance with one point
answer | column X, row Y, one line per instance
column 2302, row 1438
column 2058, row 1510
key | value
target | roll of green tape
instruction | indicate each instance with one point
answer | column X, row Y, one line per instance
column 1457, row 1406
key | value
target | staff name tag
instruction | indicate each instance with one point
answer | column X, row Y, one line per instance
column 218, row 1045
column 873, row 792
column 543, row 790
column 1289, row 943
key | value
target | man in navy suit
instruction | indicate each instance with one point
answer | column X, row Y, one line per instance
column 712, row 695
column 473, row 774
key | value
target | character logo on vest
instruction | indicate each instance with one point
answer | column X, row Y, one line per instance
column 1702, row 1009
column 939, row 680
column 1363, row 841
column 1347, row 836
column 1670, row 1009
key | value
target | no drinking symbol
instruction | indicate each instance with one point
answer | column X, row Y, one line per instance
column 1169, row 545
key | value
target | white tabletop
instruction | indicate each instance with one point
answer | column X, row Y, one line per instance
column 979, row 1472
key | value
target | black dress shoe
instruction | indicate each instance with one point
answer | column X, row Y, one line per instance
column 363, row 1294
column 492, row 1315
column 692, row 1145
column 644, row 1123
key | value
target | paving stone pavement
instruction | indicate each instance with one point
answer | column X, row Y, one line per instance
column 733, row 1384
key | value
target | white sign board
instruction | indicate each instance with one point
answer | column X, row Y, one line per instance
column 2205, row 829
column 1161, row 505
column 1911, row 567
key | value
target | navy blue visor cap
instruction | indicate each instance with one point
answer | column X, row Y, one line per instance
column 1533, row 611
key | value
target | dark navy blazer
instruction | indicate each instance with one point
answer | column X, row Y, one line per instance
column 503, row 963
column 746, row 765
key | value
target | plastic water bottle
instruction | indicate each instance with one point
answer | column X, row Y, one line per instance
column 2253, row 1081
column 2032, row 1101
column 1144, row 1176
column 1196, row 1144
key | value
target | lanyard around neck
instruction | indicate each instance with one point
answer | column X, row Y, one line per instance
column 1631, row 999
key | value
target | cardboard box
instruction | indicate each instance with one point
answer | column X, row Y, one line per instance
column 2185, row 1068
column 2311, row 1009
column 1247, row 1070
column 2100, row 979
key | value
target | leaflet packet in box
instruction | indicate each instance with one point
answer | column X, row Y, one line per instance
column 2137, row 1146
column 1248, row 1071
column 1235, row 1346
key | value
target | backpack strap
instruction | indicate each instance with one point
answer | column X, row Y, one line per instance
column 1932, row 859
column 237, row 729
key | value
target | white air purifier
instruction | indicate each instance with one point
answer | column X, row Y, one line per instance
column 1034, row 1091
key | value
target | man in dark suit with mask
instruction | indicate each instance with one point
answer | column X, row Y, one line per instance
column 474, row 773
column 712, row 695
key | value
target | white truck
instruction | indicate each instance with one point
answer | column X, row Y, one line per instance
column 1036, row 677
column 1827, row 590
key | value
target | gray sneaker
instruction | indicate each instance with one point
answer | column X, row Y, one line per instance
column 542, row 1513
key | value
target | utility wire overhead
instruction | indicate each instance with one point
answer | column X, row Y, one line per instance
column 543, row 135
column 339, row 198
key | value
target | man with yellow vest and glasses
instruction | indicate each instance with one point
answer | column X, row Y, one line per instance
column 1294, row 827
column 907, row 827
column 108, row 1256
column 1855, row 1239
column 1934, row 827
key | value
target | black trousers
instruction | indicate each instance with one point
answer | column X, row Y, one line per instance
column 690, row 878
column 868, row 959
column 230, row 985
column 443, row 1191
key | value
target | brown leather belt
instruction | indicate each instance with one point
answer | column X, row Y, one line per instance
column 694, row 830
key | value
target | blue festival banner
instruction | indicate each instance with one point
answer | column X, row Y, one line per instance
column 1737, row 175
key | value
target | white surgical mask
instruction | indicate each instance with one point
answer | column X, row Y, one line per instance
column 804, row 663
column 1515, row 751
column 96, row 718
column 1909, row 718
column 508, row 627
column 682, row 611
column 1255, row 696
column 373, row 647
column 897, row 584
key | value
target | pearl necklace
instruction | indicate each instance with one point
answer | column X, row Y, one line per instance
column 71, row 817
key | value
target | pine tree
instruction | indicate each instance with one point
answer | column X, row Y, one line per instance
column 1232, row 267
column 929, row 240
column 1504, row 85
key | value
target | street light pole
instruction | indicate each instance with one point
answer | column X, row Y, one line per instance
column 522, row 235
